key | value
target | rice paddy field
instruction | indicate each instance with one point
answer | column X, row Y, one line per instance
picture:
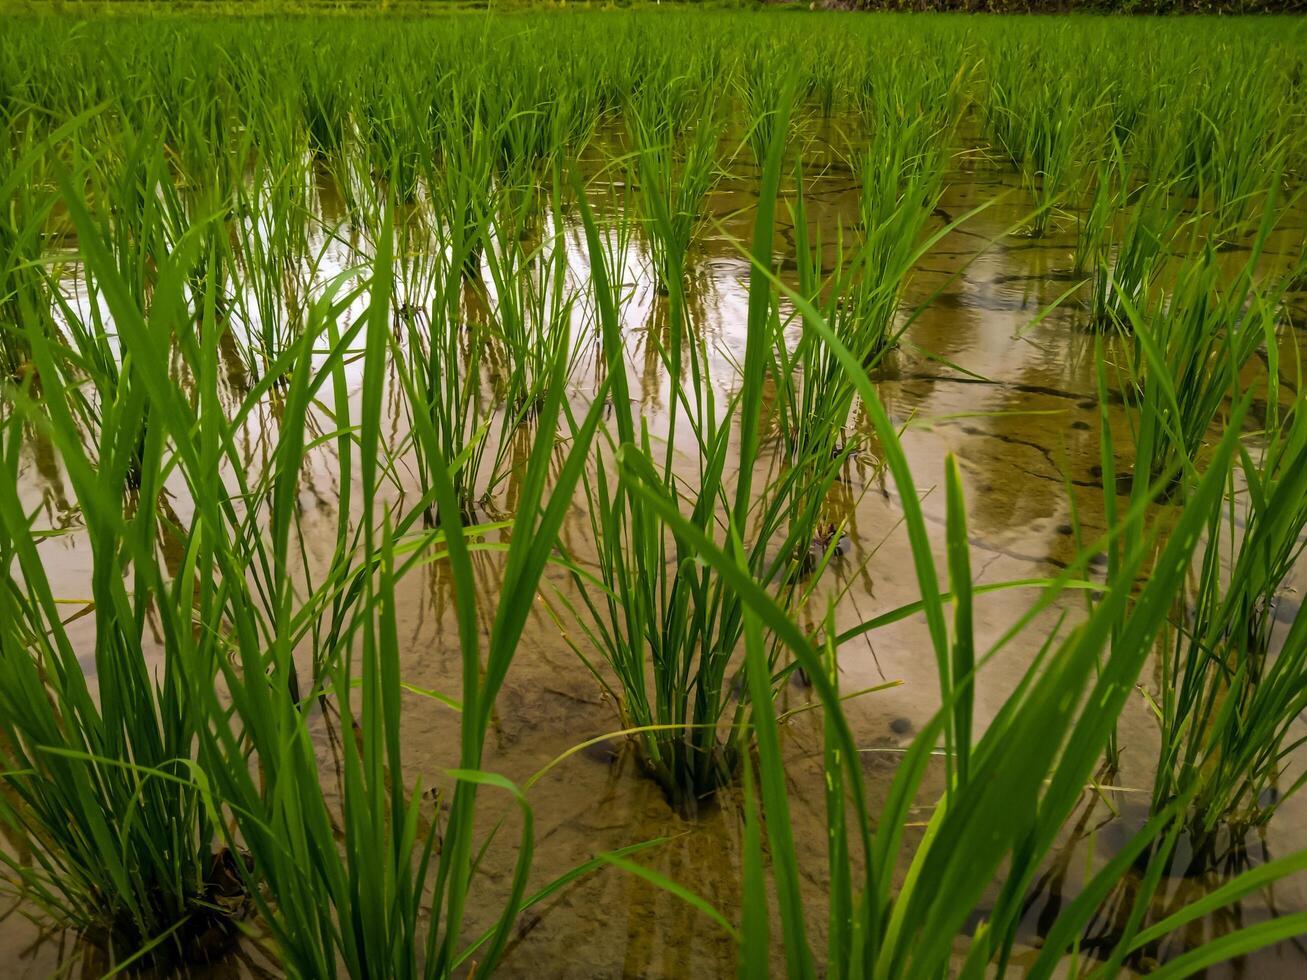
column 655, row 493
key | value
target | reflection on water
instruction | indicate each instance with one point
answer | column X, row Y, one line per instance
column 982, row 373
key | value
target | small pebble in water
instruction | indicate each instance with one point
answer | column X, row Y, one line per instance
column 900, row 726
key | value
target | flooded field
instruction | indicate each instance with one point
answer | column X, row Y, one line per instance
column 606, row 504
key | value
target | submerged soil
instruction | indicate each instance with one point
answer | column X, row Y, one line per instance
column 980, row 375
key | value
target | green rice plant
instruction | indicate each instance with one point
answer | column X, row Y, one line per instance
column 461, row 178
column 765, row 90
column 675, row 174
column 326, row 110
column 21, row 244
column 914, row 82
column 1231, row 139
column 122, row 842
column 1037, row 117
column 814, row 395
column 396, row 133
column 443, row 366
column 1125, row 267
column 1188, row 352
column 270, row 264
column 901, row 176
column 1003, row 807
column 532, row 312
column 357, row 907
column 1108, row 181
column 670, row 640
column 240, row 765
column 1231, row 689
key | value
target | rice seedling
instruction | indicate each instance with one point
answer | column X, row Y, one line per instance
column 122, row 841
column 814, row 395
column 901, row 175
column 1230, row 138
column 21, row 229
column 357, row 907
column 462, row 177
column 1231, row 688
column 975, row 827
column 1188, row 352
column 674, row 175
column 1126, row 267
column 442, row 366
column 533, row 307
column 671, row 640
column 1039, row 125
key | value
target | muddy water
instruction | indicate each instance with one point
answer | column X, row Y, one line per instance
column 979, row 376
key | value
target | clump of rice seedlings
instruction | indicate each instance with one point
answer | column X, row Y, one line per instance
column 1038, row 121
column 934, row 91
column 270, row 264
column 122, row 840
column 1126, row 265
column 21, row 244
column 814, row 394
column 1233, row 677
column 674, row 172
column 394, row 126
column 670, row 640
column 326, row 109
column 1005, row 802
column 765, row 91
column 901, row 176
column 357, row 907
column 443, row 366
column 1108, row 183
column 462, row 177
column 1231, row 139
column 825, row 73
column 532, row 311
column 140, row 227
column 1187, row 355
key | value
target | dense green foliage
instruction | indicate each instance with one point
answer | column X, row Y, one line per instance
column 177, row 194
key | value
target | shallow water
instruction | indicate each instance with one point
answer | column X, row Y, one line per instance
column 980, row 376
